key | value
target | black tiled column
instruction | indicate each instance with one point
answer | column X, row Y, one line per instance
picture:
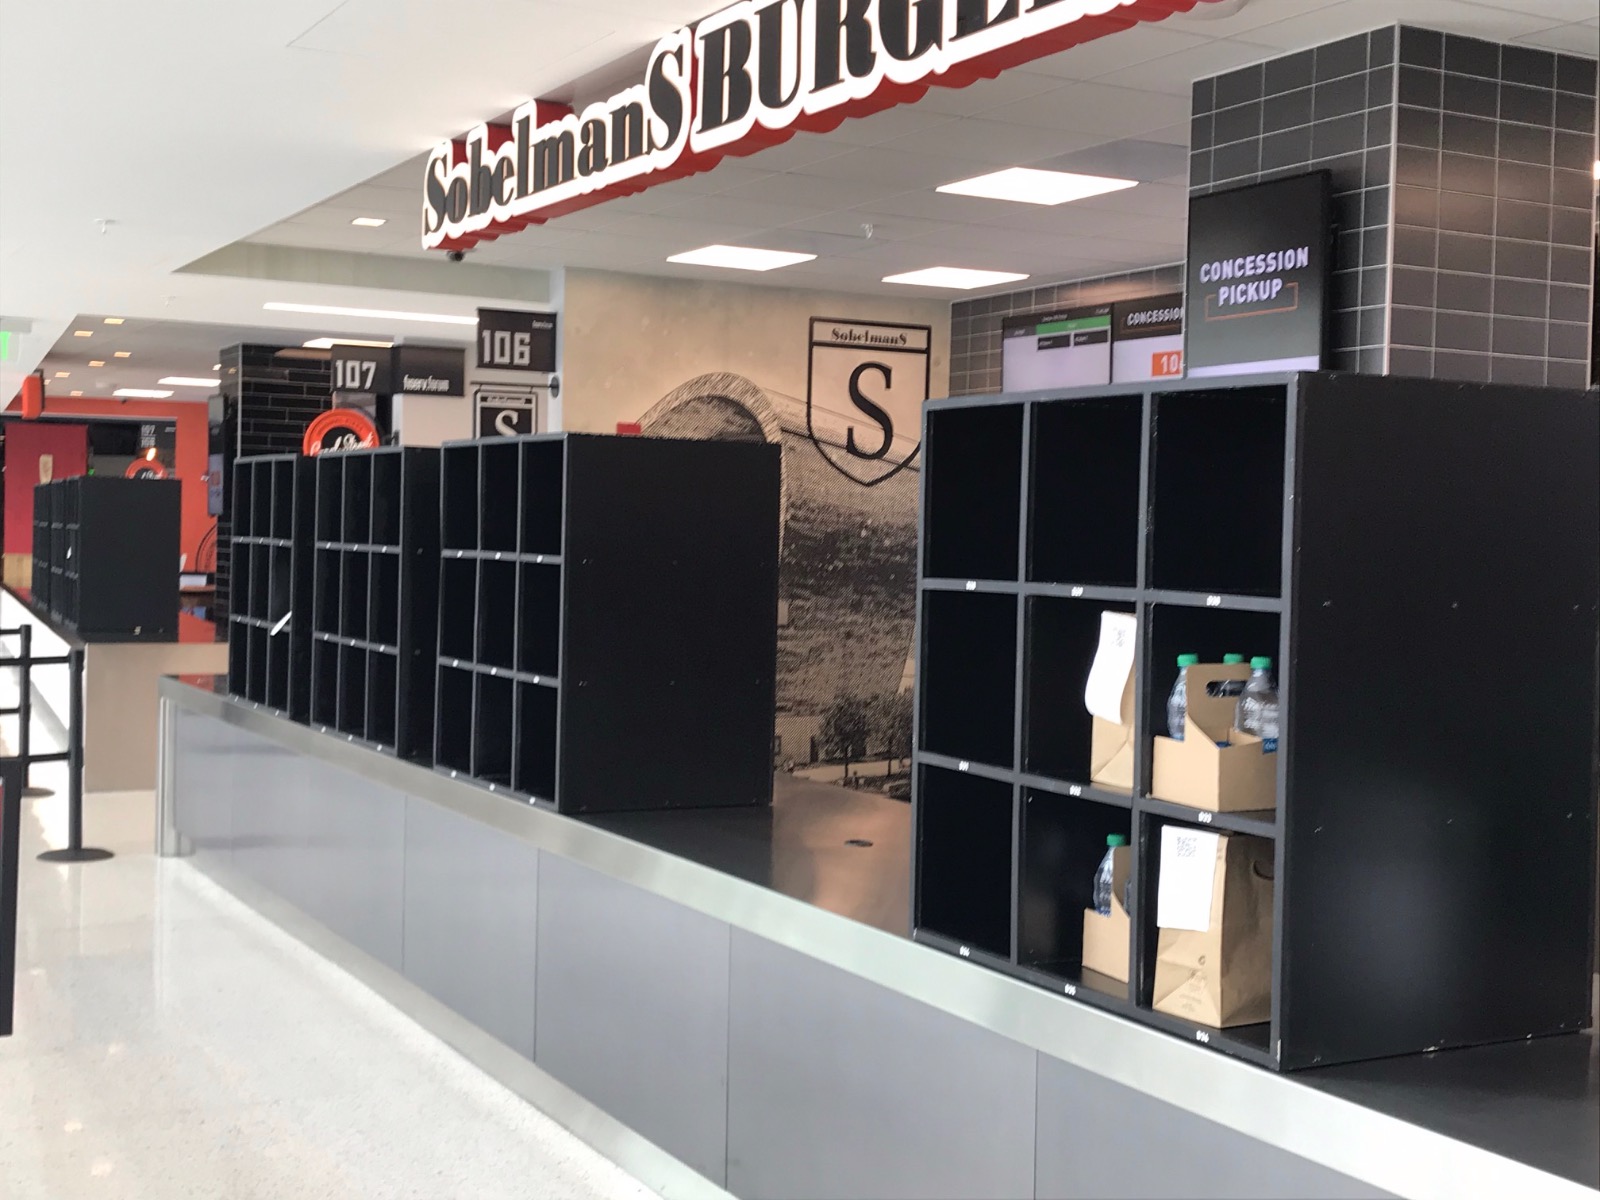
column 268, row 400
column 1463, row 180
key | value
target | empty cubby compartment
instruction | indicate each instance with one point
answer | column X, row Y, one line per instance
column 353, row 691
column 1061, row 639
column 330, row 498
column 239, row 586
column 964, row 856
column 260, row 582
column 382, row 697
column 1217, row 490
column 243, row 497
column 278, row 668
column 282, row 474
column 459, row 497
column 543, row 489
column 497, row 613
column 386, row 499
column 491, row 729
column 358, row 498
column 1063, row 841
column 1209, row 632
column 260, row 500
column 458, row 607
column 239, row 659
column 971, row 492
column 258, row 664
column 280, row 594
column 324, row 683
column 353, row 595
column 1083, row 506
column 969, row 673
column 453, row 714
column 539, row 620
column 325, row 592
column 498, row 506
column 384, row 599
column 536, row 741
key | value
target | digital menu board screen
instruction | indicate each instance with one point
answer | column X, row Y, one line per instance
column 1147, row 339
column 1068, row 348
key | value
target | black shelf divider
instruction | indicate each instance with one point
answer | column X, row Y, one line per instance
column 614, row 640
column 1385, row 540
column 105, row 561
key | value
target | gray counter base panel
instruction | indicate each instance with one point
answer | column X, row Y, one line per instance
column 704, row 1040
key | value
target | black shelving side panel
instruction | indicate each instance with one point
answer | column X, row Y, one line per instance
column 108, row 559
column 1399, row 546
column 607, row 620
column 270, row 587
column 373, row 594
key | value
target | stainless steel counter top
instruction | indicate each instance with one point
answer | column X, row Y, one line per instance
column 1511, row 1120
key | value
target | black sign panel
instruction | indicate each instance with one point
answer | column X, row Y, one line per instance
column 1258, row 277
column 507, row 411
column 430, row 371
column 1147, row 339
column 362, row 369
column 516, row 341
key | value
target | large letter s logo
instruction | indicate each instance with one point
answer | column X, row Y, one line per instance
column 860, row 400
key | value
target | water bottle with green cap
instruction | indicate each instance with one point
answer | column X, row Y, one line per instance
column 1257, row 714
column 1178, row 701
column 1103, row 876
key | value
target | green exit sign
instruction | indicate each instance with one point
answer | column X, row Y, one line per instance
column 5, row 345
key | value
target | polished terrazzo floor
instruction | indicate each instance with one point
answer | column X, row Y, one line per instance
column 171, row 1043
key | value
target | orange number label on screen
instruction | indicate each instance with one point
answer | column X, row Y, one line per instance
column 1166, row 364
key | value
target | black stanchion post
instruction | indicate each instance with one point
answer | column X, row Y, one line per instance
column 76, row 851
column 25, row 712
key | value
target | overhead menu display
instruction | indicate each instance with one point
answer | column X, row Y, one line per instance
column 1147, row 339
column 1070, row 348
column 1258, row 277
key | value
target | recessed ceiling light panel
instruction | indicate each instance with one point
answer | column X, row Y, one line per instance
column 142, row 393
column 370, row 222
column 740, row 258
column 97, row 362
column 328, row 343
column 122, row 354
column 83, row 333
column 956, row 278
column 189, row 381
column 114, row 320
column 1027, row 185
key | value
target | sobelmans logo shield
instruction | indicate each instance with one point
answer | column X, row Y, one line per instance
column 866, row 386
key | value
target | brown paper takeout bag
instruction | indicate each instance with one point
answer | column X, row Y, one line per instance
column 1223, row 976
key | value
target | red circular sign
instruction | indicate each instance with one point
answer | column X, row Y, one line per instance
column 340, row 429
column 145, row 468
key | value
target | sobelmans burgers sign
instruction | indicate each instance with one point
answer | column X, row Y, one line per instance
column 744, row 79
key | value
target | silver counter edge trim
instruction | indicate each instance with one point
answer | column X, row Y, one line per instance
column 644, row 1160
column 1383, row 1151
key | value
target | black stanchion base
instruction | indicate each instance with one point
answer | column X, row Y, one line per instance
column 31, row 790
column 80, row 855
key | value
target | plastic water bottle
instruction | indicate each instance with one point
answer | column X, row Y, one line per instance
column 1227, row 687
column 1178, row 702
column 1258, row 706
column 1102, row 877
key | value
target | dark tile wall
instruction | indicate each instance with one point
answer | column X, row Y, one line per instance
column 1328, row 107
column 1494, row 212
column 975, row 324
column 267, row 403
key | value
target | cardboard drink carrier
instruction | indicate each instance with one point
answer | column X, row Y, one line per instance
column 1238, row 777
column 1107, row 940
column 1220, row 975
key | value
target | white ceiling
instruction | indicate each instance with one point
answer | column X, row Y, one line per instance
column 1115, row 106
column 243, row 127
column 156, row 349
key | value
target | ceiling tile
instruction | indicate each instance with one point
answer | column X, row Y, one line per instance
column 993, row 143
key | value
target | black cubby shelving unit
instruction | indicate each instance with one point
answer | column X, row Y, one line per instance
column 373, row 595
column 105, row 556
column 269, row 607
column 607, row 620
column 1395, row 545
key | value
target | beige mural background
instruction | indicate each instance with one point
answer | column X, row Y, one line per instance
column 728, row 360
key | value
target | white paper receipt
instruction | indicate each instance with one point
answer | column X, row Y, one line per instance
column 1188, row 873
column 1113, row 663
